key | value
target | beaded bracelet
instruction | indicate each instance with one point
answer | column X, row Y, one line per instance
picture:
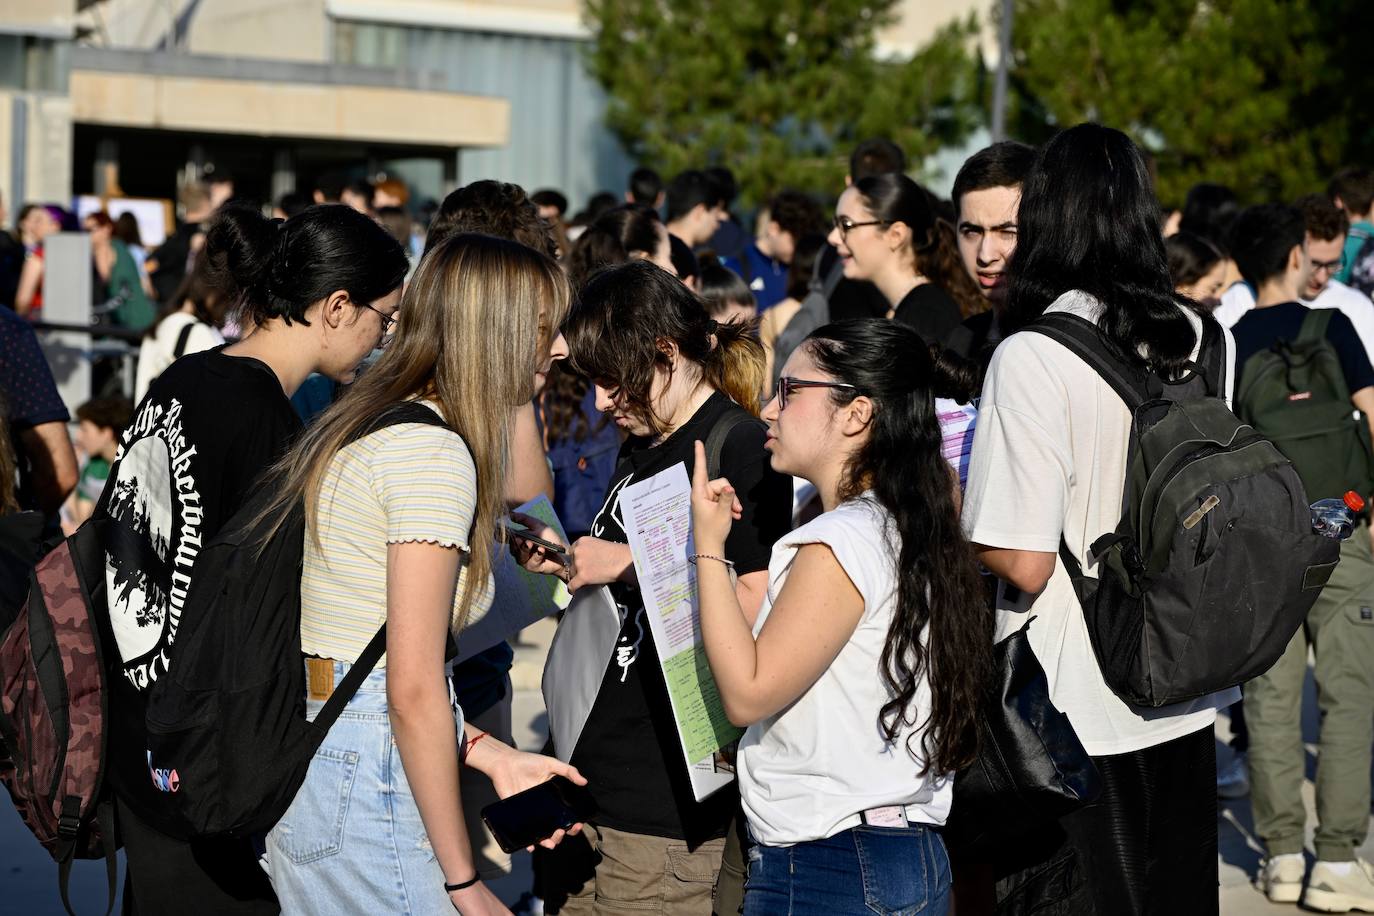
column 706, row 556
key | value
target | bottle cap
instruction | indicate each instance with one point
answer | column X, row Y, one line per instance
column 1354, row 501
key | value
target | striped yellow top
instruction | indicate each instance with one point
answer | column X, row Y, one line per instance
column 409, row 482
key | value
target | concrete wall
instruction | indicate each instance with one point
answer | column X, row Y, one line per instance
column 227, row 106
column 53, row 18
column 35, row 148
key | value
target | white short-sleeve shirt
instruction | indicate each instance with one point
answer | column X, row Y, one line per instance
column 1049, row 458
column 807, row 772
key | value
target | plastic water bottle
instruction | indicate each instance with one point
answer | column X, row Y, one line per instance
column 1335, row 518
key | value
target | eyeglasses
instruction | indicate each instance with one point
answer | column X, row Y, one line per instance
column 787, row 385
column 843, row 224
column 388, row 321
column 1331, row 267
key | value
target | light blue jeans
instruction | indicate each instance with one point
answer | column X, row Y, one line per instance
column 352, row 840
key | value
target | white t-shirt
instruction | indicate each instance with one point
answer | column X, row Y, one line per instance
column 807, row 772
column 1049, row 457
column 156, row 353
column 1352, row 303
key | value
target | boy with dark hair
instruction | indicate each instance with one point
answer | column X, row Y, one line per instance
column 788, row 217
column 987, row 196
column 552, row 205
column 1269, row 244
column 1353, row 191
column 696, row 207
column 358, row 195
column 100, row 424
column 645, row 187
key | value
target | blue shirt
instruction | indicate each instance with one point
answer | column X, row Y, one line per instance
column 766, row 277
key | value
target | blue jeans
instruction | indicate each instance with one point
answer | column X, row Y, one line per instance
column 352, row 840
column 862, row 870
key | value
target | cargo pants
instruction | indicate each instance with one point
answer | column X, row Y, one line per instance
column 1340, row 632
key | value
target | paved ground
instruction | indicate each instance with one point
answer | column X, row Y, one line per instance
column 28, row 877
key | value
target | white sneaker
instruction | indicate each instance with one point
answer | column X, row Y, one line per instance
column 1233, row 780
column 1339, row 887
column 1280, row 878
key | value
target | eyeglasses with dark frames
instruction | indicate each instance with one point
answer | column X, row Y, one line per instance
column 843, row 224
column 388, row 321
column 1330, row 267
column 787, row 385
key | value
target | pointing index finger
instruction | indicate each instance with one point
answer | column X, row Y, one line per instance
column 699, row 476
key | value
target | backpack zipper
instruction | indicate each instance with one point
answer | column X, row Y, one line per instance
column 1213, row 448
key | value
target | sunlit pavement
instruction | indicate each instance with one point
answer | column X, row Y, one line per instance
column 28, row 878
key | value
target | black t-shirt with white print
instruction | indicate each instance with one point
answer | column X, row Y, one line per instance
column 208, row 427
column 629, row 750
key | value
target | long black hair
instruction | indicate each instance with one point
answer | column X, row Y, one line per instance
column 938, row 585
column 1089, row 221
column 272, row 269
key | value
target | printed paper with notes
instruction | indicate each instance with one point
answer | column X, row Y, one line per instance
column 658, row 521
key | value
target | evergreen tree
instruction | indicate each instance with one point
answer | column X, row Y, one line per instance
column 777, row 90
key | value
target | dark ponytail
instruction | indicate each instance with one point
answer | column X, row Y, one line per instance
column 896, row 198
column 627, row 312
column 273, row 269
column 938, row 585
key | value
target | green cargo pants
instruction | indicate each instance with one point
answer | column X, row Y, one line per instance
column 1340, row 631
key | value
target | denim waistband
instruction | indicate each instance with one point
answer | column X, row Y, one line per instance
column 371, row 694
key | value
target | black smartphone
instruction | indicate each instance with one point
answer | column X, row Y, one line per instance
column 537, row 813
column 525, row 535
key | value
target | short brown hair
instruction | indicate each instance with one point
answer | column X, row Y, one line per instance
column 1325, row 221
column 495, row 208
column 113, row 414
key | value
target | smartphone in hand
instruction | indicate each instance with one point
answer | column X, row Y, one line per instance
column 527, row 817
column 525, row 534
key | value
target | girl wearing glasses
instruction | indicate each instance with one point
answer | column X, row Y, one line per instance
column 887, row 232
column 847, row 776
column 315, row 292
column 668, row 375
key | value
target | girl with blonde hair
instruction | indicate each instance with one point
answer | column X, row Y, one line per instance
column 400, row 529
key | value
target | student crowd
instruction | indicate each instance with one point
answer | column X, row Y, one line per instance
column 856, row 562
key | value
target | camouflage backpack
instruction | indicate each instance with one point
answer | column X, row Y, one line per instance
column 52, row 693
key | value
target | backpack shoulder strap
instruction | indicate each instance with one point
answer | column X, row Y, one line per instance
column 1084, row 340
column 406, row 412
column 1211, row 356
column 182, row 339
column 1314, row 325
column 832, row 279
column 715, row 439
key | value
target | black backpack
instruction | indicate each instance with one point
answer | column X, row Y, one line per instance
column 226, row 725
column 1214, row 564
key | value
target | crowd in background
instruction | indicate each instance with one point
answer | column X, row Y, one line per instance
column 914, row 456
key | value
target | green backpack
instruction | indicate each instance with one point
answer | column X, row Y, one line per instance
column 1295, row 395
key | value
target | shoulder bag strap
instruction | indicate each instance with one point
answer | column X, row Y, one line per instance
column 715, row 439
column 182, row 339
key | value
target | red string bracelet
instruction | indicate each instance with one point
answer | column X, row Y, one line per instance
column 472, row 742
